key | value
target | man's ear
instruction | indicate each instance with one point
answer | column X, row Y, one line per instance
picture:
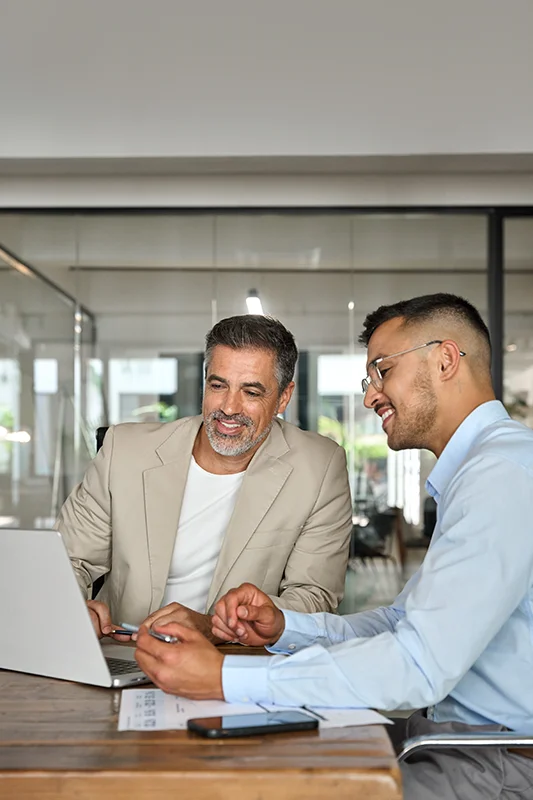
column 449, row 359
column 285, row 397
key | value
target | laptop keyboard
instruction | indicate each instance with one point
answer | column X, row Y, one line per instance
column 117, row 666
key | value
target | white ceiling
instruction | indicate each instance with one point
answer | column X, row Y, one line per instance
column 210, row 79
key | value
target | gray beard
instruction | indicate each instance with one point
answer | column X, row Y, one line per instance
column 226, row 446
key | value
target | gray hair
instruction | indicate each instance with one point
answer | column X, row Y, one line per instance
column 256, row 332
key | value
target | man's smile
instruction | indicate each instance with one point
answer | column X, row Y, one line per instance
column 385, row 412
column 228, row 428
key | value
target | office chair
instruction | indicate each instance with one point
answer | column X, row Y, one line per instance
column 100, row 434
column 445, row 741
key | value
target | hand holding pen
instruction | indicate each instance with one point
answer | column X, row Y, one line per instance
column 128, row 629
column 102, row 623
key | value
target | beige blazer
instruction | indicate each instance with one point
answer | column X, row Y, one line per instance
column 289, row 532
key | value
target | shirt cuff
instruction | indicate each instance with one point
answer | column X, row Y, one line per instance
column 245, row 679
column 301, row 630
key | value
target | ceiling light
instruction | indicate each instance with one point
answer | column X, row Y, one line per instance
column 253, row 303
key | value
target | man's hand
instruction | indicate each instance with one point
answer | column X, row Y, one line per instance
column 191, row 668
column 249, row 615
column 101, row 620
column 175, row 612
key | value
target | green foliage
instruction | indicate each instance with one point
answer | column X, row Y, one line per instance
column 169, row 413
column 331, row 428
column 364, row 446
column 165, row 412
column 365, row 451
column 7, row 420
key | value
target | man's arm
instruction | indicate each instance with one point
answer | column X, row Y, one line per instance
column 248, row 615
column 85, row 520
column 452, row 613
column 314, row 576
column 304, row 630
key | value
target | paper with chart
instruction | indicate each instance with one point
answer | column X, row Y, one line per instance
column 153, row 710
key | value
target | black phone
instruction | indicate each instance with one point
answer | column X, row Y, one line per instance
column 252, row 724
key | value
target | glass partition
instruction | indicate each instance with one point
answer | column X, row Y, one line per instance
column 43, row 447
column 156, row 282
column 518, row 319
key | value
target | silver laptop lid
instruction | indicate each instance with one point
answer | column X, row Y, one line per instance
column 44, row 623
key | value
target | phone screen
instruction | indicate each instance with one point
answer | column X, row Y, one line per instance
column 268, row 718
column 248, row 724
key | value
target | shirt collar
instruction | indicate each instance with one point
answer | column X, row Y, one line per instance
column 457, row 448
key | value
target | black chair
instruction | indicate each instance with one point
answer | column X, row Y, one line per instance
column 371, row 541
column 100, row 434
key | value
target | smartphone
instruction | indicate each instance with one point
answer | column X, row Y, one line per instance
column 252, row 724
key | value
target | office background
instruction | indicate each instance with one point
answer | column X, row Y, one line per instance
column 158, row 163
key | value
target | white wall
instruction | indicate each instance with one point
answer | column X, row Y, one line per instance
column 270, row 77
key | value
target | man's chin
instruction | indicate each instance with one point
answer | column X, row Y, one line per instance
column 395, row 442
column 230, row 447
column 392, row 445
column 398, row 444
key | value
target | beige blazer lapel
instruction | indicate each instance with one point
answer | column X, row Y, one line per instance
column 163, row 495
column 263, row 481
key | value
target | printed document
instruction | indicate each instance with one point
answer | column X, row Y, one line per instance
column 153, row 710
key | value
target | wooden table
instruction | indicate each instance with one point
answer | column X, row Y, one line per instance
column 60, row 740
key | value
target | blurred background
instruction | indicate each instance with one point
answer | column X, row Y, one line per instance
column 122, row 339
column 165, row 166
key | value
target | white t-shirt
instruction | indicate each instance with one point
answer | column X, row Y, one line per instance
column 208, row 504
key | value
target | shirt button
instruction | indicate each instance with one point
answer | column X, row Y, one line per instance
column 291, row 647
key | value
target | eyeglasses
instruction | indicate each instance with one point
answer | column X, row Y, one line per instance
column 375, row 375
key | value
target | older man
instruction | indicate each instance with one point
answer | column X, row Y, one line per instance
column 177, row 514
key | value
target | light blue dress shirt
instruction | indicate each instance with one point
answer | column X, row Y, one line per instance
column 459, row 637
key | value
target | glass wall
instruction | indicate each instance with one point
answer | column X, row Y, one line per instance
column 518, row 319
column 156, row 282
column 45, row 444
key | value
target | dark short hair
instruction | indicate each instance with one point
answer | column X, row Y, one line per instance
column 424, row 309
column 257, row 332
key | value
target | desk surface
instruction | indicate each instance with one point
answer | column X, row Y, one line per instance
column 60, row 739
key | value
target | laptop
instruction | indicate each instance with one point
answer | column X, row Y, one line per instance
column 45, row 626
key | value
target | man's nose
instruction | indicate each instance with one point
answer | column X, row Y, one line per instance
column 371, row 396
column 231, row 403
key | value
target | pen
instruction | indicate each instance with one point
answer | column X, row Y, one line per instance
column 121, row 631
column 304, row 708
column 314, row 713
column 163, row 637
